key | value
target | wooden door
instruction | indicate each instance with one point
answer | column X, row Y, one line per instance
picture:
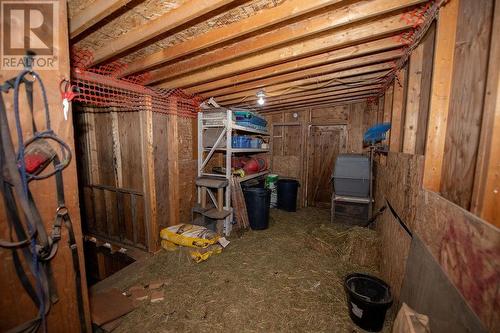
column 325, row 143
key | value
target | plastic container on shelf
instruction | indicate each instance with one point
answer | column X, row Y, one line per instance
column 256, row 143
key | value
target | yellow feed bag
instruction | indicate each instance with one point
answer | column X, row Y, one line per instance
column 189, row 235
column 200, row 255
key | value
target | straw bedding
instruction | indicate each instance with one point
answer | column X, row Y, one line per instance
column 286, row 278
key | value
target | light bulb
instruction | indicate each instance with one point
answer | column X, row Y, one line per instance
column 261, row 101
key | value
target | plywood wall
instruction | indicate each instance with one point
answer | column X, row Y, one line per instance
column 465, row 246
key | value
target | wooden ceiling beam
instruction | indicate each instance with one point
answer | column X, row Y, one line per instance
column 325, row 102
column 380, row 45
column 320, row 81
column 362, row 94
column 354, row 34
column 325, row 69
column 313, row 95
column 185, row 13
column 264, row 19
column 92, row 15
column 298, row 93
column 316, row 106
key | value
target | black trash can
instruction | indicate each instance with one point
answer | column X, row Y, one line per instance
column 257, row 200
column 368, row 299
column 287, row 194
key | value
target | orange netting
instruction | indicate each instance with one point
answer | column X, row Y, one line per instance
column 102, row 87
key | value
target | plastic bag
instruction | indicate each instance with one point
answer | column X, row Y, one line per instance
column 189, row 235
column 410, row 321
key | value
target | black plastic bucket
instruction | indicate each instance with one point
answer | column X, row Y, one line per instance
column 257, row 201
column 287, row 194
column 368, row 299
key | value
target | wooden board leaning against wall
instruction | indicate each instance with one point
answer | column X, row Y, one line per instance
column 292, row 155
column 15, row 304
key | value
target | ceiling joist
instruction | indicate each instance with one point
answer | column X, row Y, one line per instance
column 327, row 69
column 380, row 45
column 285, row 12
column 306, row 96
column 92, row 15
column 337, row 39
column 187, row 12
column 320, row 81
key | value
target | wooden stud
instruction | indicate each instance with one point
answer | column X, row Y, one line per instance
column 336, row 39
column 440, row 96
column 486, row 194
column 264, row 19
column 154, row 28
column 91, row 15
column 148, row 174
column 398, row 106
column 413, row 100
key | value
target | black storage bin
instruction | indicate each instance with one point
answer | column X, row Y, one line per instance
column 287, row 194
column 368, row 299
column 257, row 201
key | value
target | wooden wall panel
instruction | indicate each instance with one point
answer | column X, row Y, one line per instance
column 187, row 168
column 467, row 248
column 355, row 128
column 15, row 305
column 160, row 142
column 486, row 201
column 130, row 149
column 104, row 145
column 466, row 101
column 398, row 182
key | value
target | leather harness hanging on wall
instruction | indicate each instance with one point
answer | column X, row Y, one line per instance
column 32, row 240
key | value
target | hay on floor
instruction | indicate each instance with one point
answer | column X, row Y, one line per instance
column 286, row 278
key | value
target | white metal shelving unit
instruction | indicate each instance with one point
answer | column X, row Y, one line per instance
column 222, row 118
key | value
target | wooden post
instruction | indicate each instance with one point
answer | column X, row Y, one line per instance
column 413, row 100
column 16, row 306
column 173, row 165
column 440, row 95
column 148, row 168
column 220, row 199
column 398, row 107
